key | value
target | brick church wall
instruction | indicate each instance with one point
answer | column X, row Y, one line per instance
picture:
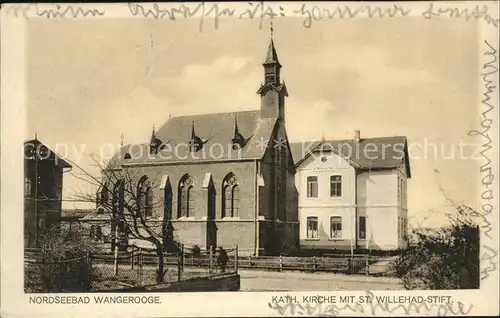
column 243, row 171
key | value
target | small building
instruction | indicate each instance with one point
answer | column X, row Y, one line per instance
column 43, row 182
column 352, row 193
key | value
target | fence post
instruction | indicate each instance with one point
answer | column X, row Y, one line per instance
column 314, row 264
column 178, row 266
column 116, row 261
column 236, row 259
column 139, row 269
column 142, row 268
column 281, row 263
column 367, row 271
column 182, row 257
column 89, row 263
column 132, row 259
column 210, row 256
column 89, row 259
column 349, row 265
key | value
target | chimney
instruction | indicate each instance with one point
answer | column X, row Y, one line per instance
column 357, row 135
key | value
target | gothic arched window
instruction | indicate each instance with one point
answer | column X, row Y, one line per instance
column 186, row 199
column 231, row 196
column 145, row 197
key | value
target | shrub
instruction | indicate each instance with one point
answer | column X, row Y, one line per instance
column 445, row 258
column 63, row 264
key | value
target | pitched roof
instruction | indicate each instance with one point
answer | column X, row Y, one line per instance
column 215, row 130
column 269, row 86
column 368, row 153
column 43, row 153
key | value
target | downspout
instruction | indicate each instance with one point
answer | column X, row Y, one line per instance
column 36, row 199
column 256, row 212
column 356, row 174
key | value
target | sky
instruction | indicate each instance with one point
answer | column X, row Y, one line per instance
column 88, row 82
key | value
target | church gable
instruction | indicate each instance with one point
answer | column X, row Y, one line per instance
column 364, row 154
column 326, row 160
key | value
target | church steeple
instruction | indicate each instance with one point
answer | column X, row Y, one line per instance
column 272, row 65
column 273, row 91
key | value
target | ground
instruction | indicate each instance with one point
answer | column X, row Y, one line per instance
column 257, row 280
column 290, row 281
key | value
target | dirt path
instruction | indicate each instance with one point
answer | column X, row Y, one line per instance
column 291, row 281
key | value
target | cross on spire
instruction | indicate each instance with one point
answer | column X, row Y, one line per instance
column 122, row 136
column 272, row 30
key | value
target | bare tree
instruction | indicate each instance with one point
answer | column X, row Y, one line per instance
column 128, row 199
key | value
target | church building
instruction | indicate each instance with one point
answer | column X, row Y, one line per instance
column 216, row 180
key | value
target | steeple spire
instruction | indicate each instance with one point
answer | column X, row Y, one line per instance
column 271, row 56
column 272, row 65
column 272, row 107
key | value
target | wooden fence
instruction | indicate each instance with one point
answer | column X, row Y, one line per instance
column 335, row 263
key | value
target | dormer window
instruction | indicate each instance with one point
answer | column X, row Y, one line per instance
column 195, row 143
column 154, row 144
column 238, row 142
column 127, row 156
column 238, row 139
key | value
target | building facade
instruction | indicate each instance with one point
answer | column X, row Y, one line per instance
column 214, row 180
column 43, row 181
column 352, row 193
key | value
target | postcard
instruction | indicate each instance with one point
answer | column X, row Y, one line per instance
column 249, row 159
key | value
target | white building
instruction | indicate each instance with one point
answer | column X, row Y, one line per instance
column 352, row 193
